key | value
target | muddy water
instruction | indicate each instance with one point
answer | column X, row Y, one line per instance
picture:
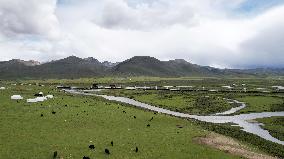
column 240, row 120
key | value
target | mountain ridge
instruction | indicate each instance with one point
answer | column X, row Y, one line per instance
column 76, row 67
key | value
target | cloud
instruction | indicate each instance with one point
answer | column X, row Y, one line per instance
column 266, row 47
column 20, row 18
column 207, row 32
column 148, row 16
column 31, row 30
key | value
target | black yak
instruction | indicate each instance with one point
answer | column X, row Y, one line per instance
column 107, row 151
column 55, row 154
column 92, row 146
column 38, row 95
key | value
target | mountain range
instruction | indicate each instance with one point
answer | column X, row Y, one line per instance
column 75, row 67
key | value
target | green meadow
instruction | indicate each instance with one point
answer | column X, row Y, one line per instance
column 82, row 121
column 68, row 124
column 262, row 103
column 275, row 125
column 187, row 102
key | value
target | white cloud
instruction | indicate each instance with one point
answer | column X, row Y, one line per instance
column 19, row 17
column 31, row 30
column 206, row 32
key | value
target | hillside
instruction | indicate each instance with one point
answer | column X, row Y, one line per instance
column 70, row 67
column 75, row 67
column 150, row 66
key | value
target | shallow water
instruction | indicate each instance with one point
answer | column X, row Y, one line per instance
column 240, row 120
column 233, row 110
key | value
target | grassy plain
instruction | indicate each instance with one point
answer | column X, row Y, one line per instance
column 188, row 102
column 264, row 103
column 275, row 126
column 80, row 121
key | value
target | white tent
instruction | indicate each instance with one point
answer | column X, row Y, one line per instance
column 130, row 88
column 49, row 96
column 40, row 99
column 2, row 88
column 228, row 87
column 31, row 100
column 16, row 97
column 37, row 99
column 278, row 87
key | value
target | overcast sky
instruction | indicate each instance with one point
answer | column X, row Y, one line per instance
column 219, row 33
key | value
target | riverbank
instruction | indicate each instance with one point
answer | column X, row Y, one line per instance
column 69, row 124
column 241, row 120
column 275, row 126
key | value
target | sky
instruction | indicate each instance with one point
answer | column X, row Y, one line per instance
column 218, row 33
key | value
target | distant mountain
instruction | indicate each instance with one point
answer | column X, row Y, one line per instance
column 141, row 65
column 27, row 63
column 263, row 71
column 70, row 67
column 109, row 64
column 13, row 69
column 75, row 67
column 150, row 66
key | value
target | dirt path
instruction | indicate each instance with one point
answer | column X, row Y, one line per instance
column 231, row 146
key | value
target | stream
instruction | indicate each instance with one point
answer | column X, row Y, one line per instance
column 241, row 120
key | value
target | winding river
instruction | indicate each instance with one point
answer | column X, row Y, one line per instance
column 241, row 120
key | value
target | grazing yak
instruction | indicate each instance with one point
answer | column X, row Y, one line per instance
column 107, row 151
column 92, row 146
column 54, row 154
column 40, row 94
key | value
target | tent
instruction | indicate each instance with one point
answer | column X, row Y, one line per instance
column 40, row 99
column 16, row 97
column 31, row 100
column 49, row 96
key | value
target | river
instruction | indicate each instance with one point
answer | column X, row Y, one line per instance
column 241, row 120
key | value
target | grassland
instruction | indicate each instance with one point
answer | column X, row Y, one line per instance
column 178, row 101
column 255, row 141
column 80, row 121
column 275, row 126
column 262, row 104
column 187, row 102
